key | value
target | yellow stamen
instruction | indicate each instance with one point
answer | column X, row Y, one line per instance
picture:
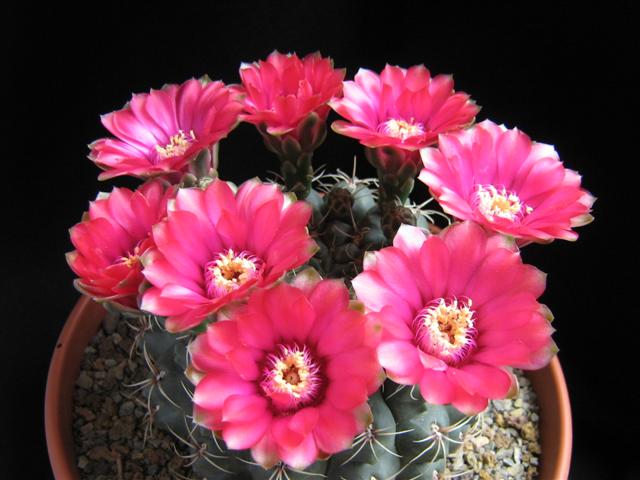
column 131, row 260
column 402, row 129
column 291, row 374
column 500, row 203
column 230, row 271
column 450, row 324
column 178, row 144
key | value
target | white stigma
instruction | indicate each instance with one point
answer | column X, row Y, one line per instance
column 401, row 128
column 229, row 271
column 495, row 202
column 446, row 329
column 178, row 145
column 292, row 371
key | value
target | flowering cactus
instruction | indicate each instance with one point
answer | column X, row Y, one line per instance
column 280, row 368
column 502, row 180
column 234, row 242
column 396, row 113
column 403, row 108
column 112, row 237
column 286, row 98
column 161, row 131
column 457, row 309
column 289, row 374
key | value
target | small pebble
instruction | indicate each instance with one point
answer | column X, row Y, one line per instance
column 505, row 443
column 108, row 423
column 84, row 381
column 126, row 409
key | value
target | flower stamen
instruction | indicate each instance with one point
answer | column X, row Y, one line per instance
column 293, row 372
column 229, row 271
column 446, row 329
column 401, row 129
column 131, row 260
column 495, row 202
column 178, row 145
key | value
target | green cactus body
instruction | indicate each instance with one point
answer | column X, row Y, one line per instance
column 407, row 438
column 348, row 221
column 345, row 224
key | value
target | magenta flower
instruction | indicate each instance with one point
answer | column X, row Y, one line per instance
column 289, row 374
column 112, row 237
column 161, row 131
column 283, row 90
column 403, row 108
column 458, row 309
column 506, row 182
column 215, row 245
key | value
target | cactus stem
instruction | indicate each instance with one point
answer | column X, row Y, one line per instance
column 388, row 434
column 385, row 448
column 199, row 450
column 309, row 474
column 461, row 423
column 351, row 181
column 280, row 470
column 395, row 392
column 144, row 325
column 139, row 385
column 369, row 437
column 419, row 209
column 153, row 381
column 412, row 393
column 186, row 390
column 280, row 473
column 440, row 445
column 363, row 443
column 439, row 434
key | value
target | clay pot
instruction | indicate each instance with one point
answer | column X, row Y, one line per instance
column 81, row 326
column 84, row 321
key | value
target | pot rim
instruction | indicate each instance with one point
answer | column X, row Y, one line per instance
column 83, row 323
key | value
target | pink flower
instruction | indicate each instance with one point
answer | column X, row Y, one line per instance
column 215, row 245
column 161, row 131
column 283, row 90
column 457, row 309
column 403, row 108
column 506, row 182
column 111, row 239
column 289, row 374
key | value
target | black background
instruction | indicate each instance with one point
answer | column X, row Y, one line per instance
column 560, row 72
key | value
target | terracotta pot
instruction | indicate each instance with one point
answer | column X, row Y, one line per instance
column 84, row 321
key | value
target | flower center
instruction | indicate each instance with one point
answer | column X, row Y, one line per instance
column 178, row 145
column 291, row 376
column 445, row 329
column 401, row 128
column 495, row 202
column 131, row 260
column 229, row 271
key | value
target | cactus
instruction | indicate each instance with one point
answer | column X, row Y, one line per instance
column 406, row 439
column 345, row 224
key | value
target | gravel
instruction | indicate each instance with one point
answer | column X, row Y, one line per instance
column 113, row 438
column 504, row 444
